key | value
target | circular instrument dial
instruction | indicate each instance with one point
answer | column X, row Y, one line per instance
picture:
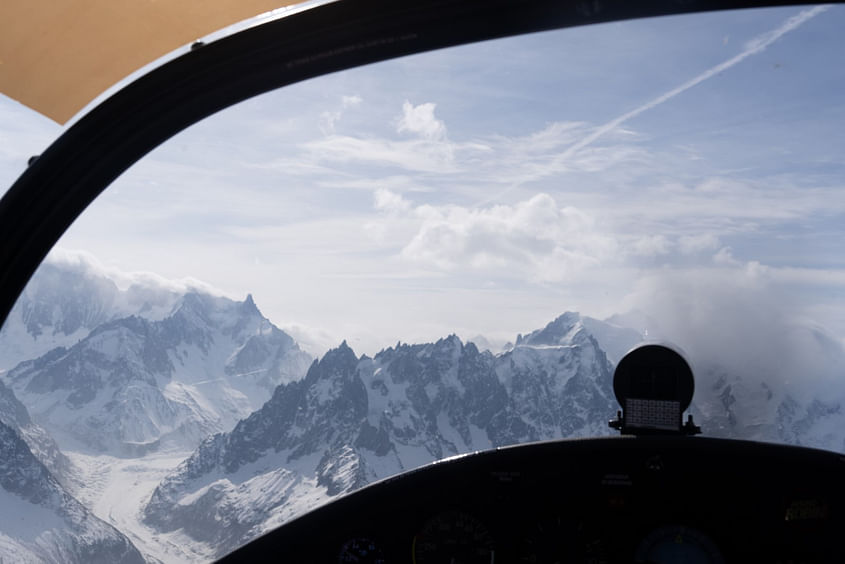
column 678, row 544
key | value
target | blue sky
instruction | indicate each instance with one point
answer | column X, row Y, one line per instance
column 691, row 167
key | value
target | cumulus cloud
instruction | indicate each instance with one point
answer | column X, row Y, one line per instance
column 385, row 200
column 537, row 237
column 427, row 151
column 725, row 257
column 421, row 121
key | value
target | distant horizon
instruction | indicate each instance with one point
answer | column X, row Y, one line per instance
column 773, row 353
column 124, row 280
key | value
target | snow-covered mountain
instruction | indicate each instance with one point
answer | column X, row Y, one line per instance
column 802, row 402
column 69, row 296
column 354, row 420
column 134, row 384
column 41, row 444
column 153, row 367
column 41, row 522
column 615, row 340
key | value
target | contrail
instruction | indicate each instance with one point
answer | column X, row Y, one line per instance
column 753, row 47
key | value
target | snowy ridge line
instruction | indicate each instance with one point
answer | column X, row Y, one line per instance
column 353, row 420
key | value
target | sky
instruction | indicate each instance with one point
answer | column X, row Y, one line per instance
column 687, row 167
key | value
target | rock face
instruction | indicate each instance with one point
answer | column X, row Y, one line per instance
column 40, row 443
column 41, row 522
column 354, row 420
column 133, row 385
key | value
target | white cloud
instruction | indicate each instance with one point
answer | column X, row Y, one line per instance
column 87, row 263
column 417, row 155
column 314, row 341
column 328, row 119
column 691, row 244
column 385, row 200
column 740, row 317
column 351, row 101
column 651, row 245
column 725, row 257
column 420, row 120
column 534, row 239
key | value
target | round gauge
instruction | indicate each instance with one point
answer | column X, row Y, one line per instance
column 361, row 550
column 668, row 545
column 453, row 537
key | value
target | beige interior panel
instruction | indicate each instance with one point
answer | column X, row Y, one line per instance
column 58, row 55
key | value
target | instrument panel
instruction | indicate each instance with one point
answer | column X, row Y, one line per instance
column 657, row 499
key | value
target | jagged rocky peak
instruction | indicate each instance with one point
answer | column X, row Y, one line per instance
column 248, row 306
column 561, row 331
column 353, row 420
column 334, row 382
column 194, row 304
column 572, row 328
column 133, row 385
column 341, row 355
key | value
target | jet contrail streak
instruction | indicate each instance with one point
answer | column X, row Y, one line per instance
column 756, row 45
column 753, row 47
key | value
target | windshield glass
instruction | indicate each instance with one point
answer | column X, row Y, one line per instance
column 369, row 271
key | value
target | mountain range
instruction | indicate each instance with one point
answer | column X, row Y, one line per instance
column 353, row 420
column 133, row 384
column 275, row 434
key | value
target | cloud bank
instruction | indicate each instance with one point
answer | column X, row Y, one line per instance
column 88, row 264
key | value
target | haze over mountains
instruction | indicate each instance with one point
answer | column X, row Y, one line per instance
column 134, row 378
column 137, row 378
